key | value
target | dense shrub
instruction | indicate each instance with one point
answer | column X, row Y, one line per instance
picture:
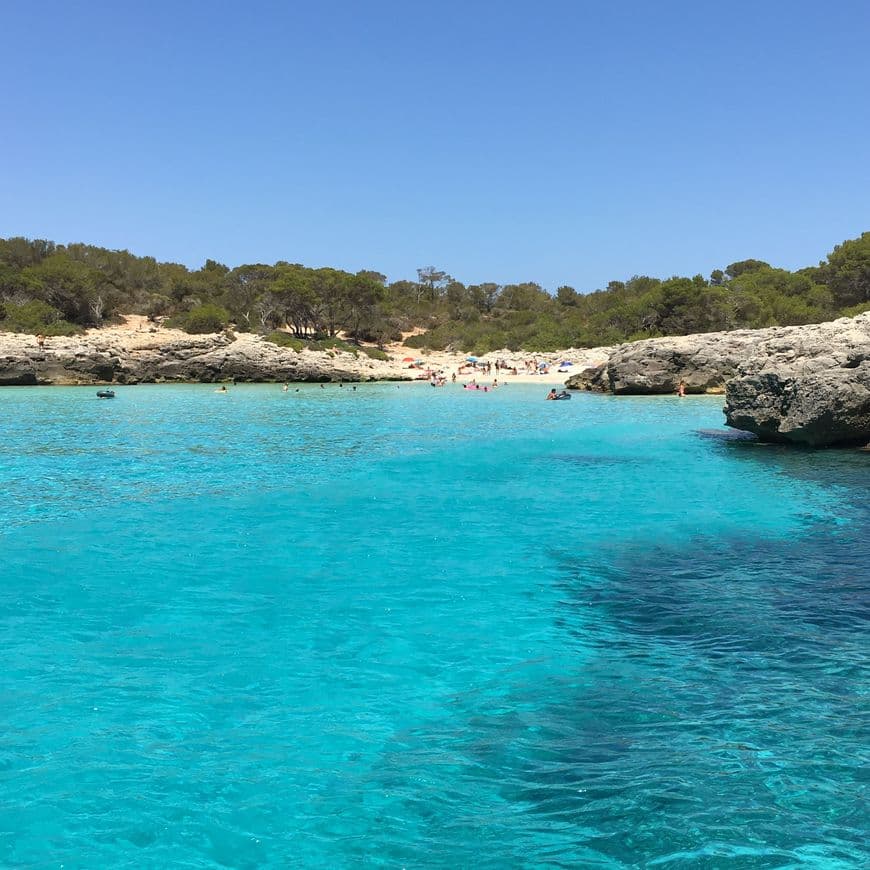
column 35, row 317
column 83, row 285
column 202, row 319
column 855, row 310
column 284, row 339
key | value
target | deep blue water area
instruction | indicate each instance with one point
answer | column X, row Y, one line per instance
column 413, row 627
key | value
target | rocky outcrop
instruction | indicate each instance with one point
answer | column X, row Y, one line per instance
column 94, row 358
column 249, row 359
column 657, row 365
column 831, row 407
column 16, row 371
column 801, row 384
column 706, row 362
column 812, row 389
column 592, row 378
column 137, row 352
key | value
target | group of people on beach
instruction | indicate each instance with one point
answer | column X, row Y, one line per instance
column 530, row 367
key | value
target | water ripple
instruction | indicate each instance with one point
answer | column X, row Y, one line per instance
column 400, row 628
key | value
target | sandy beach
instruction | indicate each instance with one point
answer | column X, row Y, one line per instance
column 137, row 333
column 515, row 367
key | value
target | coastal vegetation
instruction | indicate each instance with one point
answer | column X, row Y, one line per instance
column 285, row 339
column 59, row 289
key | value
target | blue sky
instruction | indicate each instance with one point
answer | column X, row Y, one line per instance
column 558, row 142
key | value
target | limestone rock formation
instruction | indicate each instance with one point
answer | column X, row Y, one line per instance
column 803, row 384
column 591, row 378
column 657, row 365
column 831, row 407
column 16, row 371
column 95, row 359
column 813, row 388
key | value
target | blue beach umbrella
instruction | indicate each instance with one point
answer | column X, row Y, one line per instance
column 471, row 359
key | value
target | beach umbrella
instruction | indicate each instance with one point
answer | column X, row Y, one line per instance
column 542, row 365
column 566, row 363
column 471, row 359
column 418, row 362
column 408, row 359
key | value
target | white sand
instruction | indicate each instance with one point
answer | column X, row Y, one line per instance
column 137, row 332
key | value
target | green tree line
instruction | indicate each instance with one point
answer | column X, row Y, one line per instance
column 60, row 289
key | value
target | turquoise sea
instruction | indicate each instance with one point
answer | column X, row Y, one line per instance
column 416, row 627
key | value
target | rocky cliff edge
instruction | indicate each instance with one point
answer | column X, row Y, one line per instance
column 102, row 357
column 802, row 384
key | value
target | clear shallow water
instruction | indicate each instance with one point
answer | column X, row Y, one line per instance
column 417, row 627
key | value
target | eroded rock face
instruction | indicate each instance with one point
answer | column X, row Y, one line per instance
column 16, row 372
column 813, row 388
column 827, row 408
column 802, row 384
column 94, row 359
column 706, row 362
column 703, row 363
column 655, row 366
column 592, row 378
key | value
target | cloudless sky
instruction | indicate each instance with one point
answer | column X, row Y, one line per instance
column 552, row 141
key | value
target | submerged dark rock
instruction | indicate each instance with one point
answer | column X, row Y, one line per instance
column 726, row 435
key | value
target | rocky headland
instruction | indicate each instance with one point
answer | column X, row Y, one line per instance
column 798, row 384
column 111, row 357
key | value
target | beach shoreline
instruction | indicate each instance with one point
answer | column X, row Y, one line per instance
column 139, row 351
